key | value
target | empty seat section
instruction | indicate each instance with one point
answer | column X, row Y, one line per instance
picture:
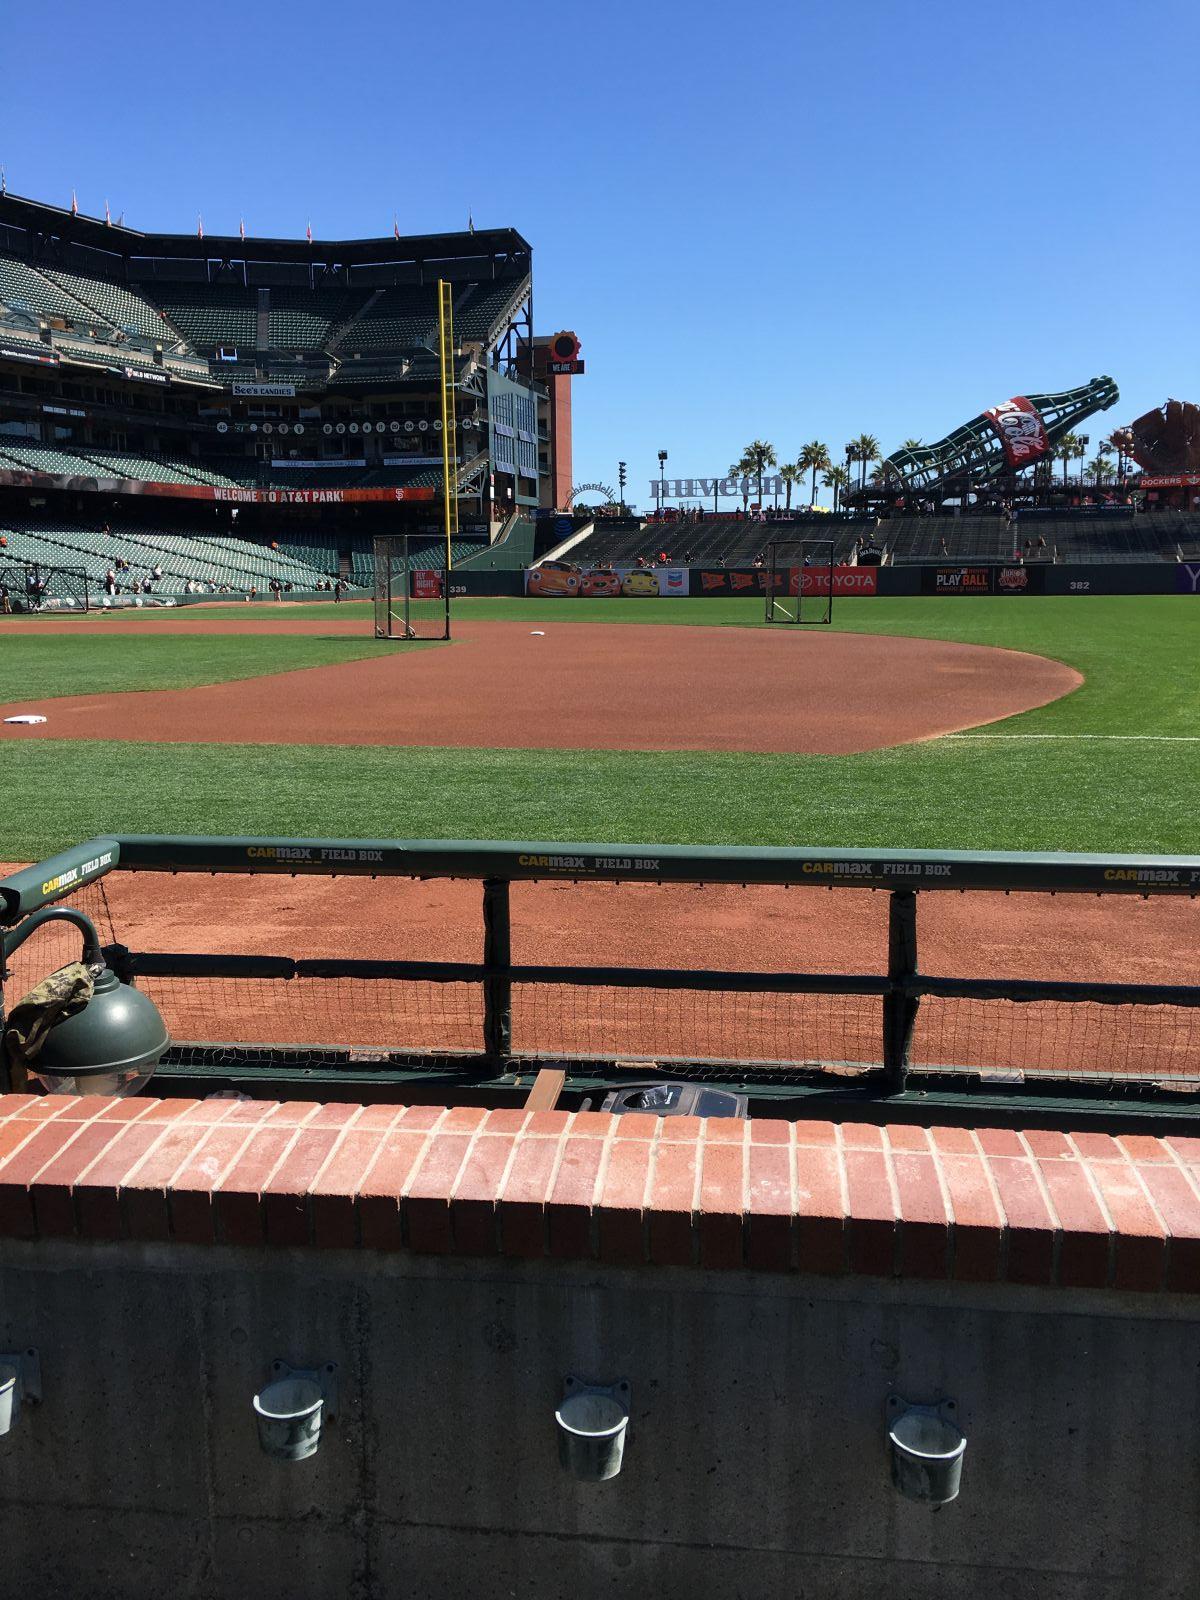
column 482, row 312
column 304, row 319
column 212, row 315
column 124, row 308
column 400, row 319
column 26, row 289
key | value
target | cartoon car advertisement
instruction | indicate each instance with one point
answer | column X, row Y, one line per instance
column 640, row 582
column 601, row 581
column 553, row 579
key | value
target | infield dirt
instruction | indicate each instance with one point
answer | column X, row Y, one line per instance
column 586, row 686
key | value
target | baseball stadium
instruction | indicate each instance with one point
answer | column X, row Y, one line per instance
column 552, row 1047
column 371, row 728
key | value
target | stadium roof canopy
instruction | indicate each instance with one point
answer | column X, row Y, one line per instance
column 93, row 233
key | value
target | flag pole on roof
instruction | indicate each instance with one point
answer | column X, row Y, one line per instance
column 395, row 226
column 107, row 216
column 470, row 223
column 74, row 204
column 242, row 229
column 308, row 233
column 3, row 181
column 199, row 226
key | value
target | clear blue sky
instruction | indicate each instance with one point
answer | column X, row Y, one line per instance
column 787, row 221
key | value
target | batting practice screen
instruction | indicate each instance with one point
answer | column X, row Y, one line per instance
column 411, row 595
column 33, row 586
column 800, row 580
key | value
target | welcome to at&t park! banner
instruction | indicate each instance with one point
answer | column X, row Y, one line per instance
column 20, row 478
column 1021, row 429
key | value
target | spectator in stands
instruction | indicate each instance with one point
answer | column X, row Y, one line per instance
column 156, row 573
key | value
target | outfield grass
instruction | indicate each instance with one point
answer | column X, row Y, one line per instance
column 1139, row 657
column 39, row 666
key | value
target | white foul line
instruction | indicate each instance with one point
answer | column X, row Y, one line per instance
column 1139, row 738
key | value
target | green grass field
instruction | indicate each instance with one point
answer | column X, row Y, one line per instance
column 1115, row 766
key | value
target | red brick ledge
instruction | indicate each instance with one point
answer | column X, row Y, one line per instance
column 1078, row 1210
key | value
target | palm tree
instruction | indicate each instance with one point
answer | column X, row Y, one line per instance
column 1100, row 468
column 912, row 444
column 866, row 450
column 791, row 475
column 1065, row 452
column 756, row 458
column 814, row 458
column 836, row 478
column 738, row 471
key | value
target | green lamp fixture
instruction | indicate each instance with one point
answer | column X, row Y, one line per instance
column 110, row 1043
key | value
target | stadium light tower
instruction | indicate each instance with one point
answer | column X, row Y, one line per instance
column 662, row 481
column 621, row 481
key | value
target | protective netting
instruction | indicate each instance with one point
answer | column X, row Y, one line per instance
column 1082, row 1039
column 330, row 1013
column 411, row 599
column 684, row 1025
column 691, row 927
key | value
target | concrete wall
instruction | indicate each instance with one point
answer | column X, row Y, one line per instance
column 756, row 1462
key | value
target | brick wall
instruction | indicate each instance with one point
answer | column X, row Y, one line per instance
column 989, row 1206
column 763, row 1287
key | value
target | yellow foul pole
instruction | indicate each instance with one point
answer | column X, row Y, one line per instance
column 449, row 425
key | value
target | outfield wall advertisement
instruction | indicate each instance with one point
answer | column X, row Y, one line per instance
column 1014, row 579
column 557, row 580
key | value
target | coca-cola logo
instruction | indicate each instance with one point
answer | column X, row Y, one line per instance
column 1021, row 429
column 1022, row 432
